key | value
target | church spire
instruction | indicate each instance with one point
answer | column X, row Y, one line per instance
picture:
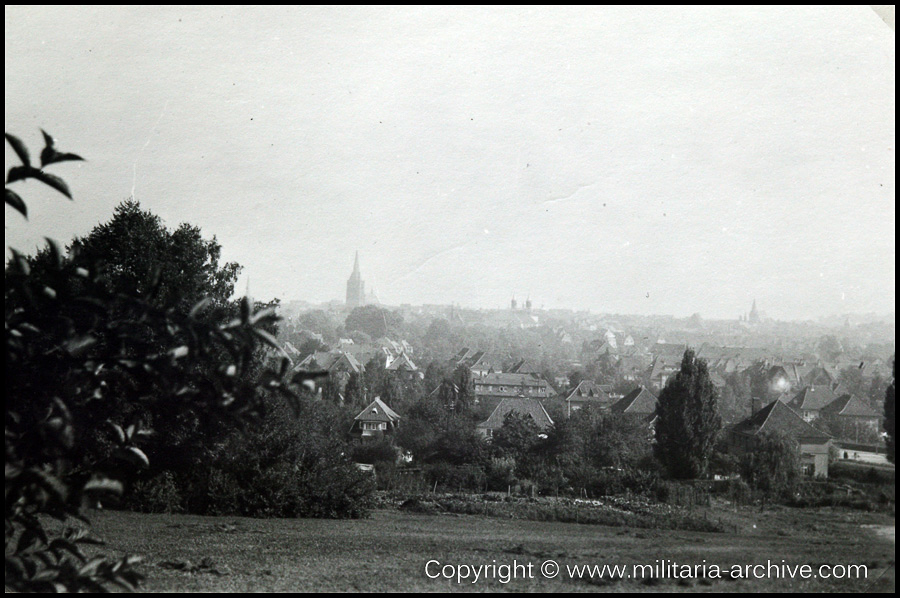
column 356, row 288
column 754, row 315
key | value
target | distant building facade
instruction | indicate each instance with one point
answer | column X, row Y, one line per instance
column 587, row 393
column 753, row 318
column 493, row 387
column 374, row 421
column 340, row 365
column 519, row 405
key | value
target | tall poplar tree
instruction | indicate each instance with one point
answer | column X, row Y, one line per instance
column 688, row 421
column 889, row 413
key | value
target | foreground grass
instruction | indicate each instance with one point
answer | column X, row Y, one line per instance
column 388, row 552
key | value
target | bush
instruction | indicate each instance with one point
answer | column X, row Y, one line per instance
column 455, row 477
column 616, row 512
column 374, row 453
column 217, row 493
column 500, row 474
column 723, row 463
column 681, row 494
column 290, row 466
column 639, row 481
column 159, row 494
column 861, row 473
column 607, row 482
column 815, row 494
column 336, row 491
column 416, row 505
column 739, row 492
column 771, row 467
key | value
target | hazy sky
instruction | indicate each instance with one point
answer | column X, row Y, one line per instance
column 630, row 160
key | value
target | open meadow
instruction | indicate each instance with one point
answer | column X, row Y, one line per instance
column 389, row 551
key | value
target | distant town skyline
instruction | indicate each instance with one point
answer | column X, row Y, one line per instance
column 633, row 160
column 357, row 296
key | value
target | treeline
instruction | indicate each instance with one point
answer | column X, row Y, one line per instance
column 292, row 463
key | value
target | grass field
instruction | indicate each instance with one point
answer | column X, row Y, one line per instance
column 389, row 551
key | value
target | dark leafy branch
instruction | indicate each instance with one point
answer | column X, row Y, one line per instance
column 49, row 155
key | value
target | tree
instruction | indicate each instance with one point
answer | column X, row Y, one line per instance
column 139, row 255
column 374, row 321
column 853, row 381
column 688, row 421
column 435, row 374
column 575, row 378
column 517, row 437
column 447, row 394
column 772, row 465
column 309, row 347
column 318, row 321
column 423, row 424
column 70, row 338
column 440, row 338
column 293, row 465
column 389, row 391
column 331, row 390
column 458, row 443
column 829, row 347
column 134, row 255
column 889, row 413
column 354, row 392
column 875, row 392
column 462, row 379
column 735, row 402
column 374, row 374
column 848, row 429
column 757, row 377
column 619, row 441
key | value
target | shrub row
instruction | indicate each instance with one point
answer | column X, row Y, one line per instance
column 568, row 511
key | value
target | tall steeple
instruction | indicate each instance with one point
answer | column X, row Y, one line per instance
column 753, row 318
column 356, row 288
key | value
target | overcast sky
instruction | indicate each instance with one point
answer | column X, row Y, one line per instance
column 628, row 160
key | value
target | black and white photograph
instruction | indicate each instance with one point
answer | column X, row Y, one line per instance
column 450, row 298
